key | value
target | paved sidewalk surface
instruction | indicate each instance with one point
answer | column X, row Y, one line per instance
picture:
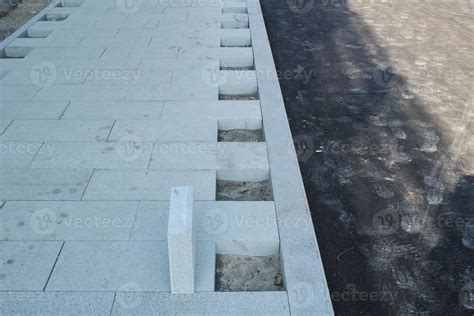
column 106, row 105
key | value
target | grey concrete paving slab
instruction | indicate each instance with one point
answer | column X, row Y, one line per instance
column 17, row 154
column 43, row 184
column 217, row 303
column 102, row 266
column 67, row 220
column 76, row 155
column 171, row 63
column 149, row 184
column 84, row 92
column 194, row 130
column 58, row 130
column 114, row 110
column 233, row 161
column 21, row 76
column 56, row 303
column 43, row 53
column 241, row 228
column 230, row 114
column 27, row 110
column 13, row 92
column 196, row 91
column 26, row 265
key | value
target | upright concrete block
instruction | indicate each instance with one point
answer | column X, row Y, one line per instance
column 181, row 240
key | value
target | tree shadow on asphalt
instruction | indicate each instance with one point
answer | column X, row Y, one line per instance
column 380, row 170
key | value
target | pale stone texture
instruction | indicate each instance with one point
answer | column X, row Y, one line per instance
column 114, row 110
column 56, row 303
column 181, row 240
column 17, row 154
column 26, row 265
column 218, row 303
column 243, row 228
column 43, row 184
column 149, row 184
column 67, row 220
column 123, row 266
column 58, row 130
column 193, row 130
column 126, row 155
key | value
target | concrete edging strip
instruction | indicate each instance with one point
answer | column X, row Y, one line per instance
column 306, row 284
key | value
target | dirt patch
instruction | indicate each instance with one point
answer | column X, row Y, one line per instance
column 19, row 15
column 379, row 100
column 237, row 68
column 238, row 97
column 241, row 135
column 245, row 273
column 244, row 191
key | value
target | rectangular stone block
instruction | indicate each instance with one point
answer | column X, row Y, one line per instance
column 230, row 114
column 17, row 154
column 26, row 265
column 126, row 155
column 114, row 110
column 233, row 161
column 67, row 220
column 64, row 52
column 99, row 92
column 236, row 57
column 186, row 64
column 42, row 29
column 56, row 304
column 239, row 228
column 234, row 7
column 216, row 303
column 149, row 184
column 197, row 90
column 181, row 240
column 235, row 21
column 57, row 130
column 243, row 162
column 121, row 266
column 194, row 130
column 43, row 184
column 31, row 110
column 238, row 82
column 235, row 37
